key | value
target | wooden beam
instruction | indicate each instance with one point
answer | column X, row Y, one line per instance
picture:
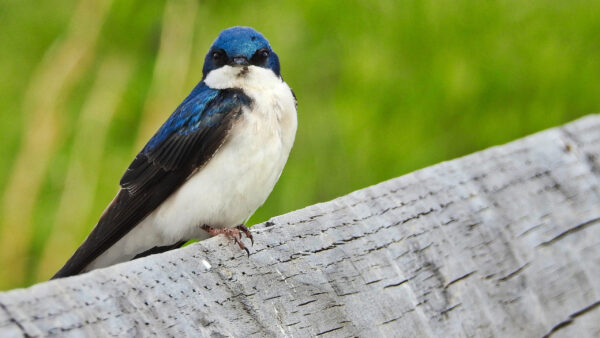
column 504, row 242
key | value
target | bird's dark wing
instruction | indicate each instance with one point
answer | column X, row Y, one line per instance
column 188, row 139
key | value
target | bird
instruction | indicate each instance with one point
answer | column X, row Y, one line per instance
column 209, row 167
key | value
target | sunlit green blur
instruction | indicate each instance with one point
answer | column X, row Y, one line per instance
column 383, row 87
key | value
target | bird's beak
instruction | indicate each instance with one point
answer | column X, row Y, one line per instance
column 239, row 61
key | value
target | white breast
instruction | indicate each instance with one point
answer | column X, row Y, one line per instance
column 239, row 177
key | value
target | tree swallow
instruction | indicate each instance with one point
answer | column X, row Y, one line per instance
column 210, row 165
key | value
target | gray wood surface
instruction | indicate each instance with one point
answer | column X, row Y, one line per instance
column 504, row 243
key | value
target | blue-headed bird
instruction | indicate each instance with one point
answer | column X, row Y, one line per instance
column 209, row 166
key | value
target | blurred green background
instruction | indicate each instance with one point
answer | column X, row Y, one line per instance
column 384, row 88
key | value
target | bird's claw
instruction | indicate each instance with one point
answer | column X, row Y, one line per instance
column 233, row 233
column 247, row 232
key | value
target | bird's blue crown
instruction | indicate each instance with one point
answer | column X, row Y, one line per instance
column 240, row 46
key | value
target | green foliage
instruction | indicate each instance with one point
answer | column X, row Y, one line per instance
column 384, row 87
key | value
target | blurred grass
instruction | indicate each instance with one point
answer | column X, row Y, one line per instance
column 384, row 88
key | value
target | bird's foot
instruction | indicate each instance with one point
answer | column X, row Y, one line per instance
column 246, row 232
column 233, row 233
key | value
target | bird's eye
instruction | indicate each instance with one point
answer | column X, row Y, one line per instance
column 217, row 54
column 260, row 57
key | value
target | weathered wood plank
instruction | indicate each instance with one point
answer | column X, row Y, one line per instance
column 504, row 242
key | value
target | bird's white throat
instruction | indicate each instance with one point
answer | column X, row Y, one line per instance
column 248, row 77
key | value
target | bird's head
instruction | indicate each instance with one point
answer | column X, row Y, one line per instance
column 240, row 47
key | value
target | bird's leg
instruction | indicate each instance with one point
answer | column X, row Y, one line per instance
column 233, row 233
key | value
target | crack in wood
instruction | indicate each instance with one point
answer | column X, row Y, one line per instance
column 569, row 231
column 531, row 229
column 348, row 293
column 571, row 318
column 466, row 275
column 373, row 281
column 271, row 298
column 514, row 273
column 510, row 301
column 390, row 321
column 445, row 311
column 306, row 303
column 329, row 331
column 396, row 284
